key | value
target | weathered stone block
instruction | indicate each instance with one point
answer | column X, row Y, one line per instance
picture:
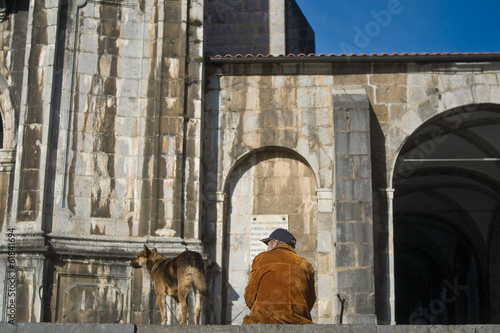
column 345, row 254
column 353, row 281
column 325, row 242
column 391, row 94
column 325, row 222
column 350, row 211
column 359, row 120
column 354, row 232
column 345, row 167
column 353, row 190
column 311, row 97
column 352, row 100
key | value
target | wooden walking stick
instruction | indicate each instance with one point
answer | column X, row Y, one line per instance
column 342, row 300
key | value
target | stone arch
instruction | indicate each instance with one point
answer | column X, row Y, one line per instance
column 272, row 183
column 464, row 97
column 446, row 178
column 253, row 152
column 467, row 99
column 318, row 159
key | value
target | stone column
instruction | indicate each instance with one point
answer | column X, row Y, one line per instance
column 354, row 266
column 217, row 268
column 325, row 269
column 384, row 256
column 192, row 126
column 35, row 119
column 29, row 194
column 7, row 241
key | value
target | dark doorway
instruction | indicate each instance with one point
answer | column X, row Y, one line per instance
column 447, row 197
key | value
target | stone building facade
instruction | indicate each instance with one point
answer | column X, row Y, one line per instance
column 124, row 123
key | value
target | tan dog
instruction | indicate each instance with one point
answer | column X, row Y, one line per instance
column 174, row 277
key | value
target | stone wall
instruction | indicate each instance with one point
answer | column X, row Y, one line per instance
column 105, row 126
column 126, row 100
column 353, row 201
column 274, row 152
column 346, row 120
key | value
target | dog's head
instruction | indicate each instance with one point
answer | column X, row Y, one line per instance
column 142, row 257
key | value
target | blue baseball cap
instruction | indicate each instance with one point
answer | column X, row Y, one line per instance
column 282, row 235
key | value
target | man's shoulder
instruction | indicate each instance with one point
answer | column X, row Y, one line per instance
column 259, row 257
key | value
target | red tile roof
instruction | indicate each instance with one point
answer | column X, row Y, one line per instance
column 357, row 58
column 357, row 55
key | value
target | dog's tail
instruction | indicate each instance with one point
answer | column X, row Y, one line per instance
column 195, row 260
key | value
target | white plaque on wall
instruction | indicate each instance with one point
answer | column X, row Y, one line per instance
column 261, row 227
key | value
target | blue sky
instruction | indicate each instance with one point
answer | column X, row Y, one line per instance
column 398, row 26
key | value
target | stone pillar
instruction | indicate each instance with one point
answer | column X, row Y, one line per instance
column 325, row 270
column 218, row 237
column 7, row 158
column 192, row 126
column 384, row 256
column 26, row 215
column 7, row 238
column 353, row 196
column 36, row 111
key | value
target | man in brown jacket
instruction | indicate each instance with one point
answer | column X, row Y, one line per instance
column 280, row 289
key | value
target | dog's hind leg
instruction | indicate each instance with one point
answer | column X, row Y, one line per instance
column 161, row 303
column 182, row 294
column 199, row 297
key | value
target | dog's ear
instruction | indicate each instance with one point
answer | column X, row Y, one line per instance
column 146, row 249
column 154, row 250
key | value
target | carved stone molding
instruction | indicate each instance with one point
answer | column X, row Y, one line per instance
column 3, row 10
column 7, row 159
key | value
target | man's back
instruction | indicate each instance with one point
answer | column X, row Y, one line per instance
column 280, row 289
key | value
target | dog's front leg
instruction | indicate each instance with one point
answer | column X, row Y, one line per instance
column 161, row 303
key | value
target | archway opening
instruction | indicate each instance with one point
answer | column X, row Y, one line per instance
column 272, row 183
column 446, row 201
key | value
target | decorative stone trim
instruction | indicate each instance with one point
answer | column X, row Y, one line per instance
column 3, row 10
column 118, row 247
column 325, row 200
column 7, row 159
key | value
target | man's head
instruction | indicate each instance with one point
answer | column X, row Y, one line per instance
column 279, row 236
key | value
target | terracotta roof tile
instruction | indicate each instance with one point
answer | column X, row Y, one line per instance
column 356, row 55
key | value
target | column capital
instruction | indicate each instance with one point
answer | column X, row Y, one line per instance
column 220, row 196
column 389, row 192
column 324, row 193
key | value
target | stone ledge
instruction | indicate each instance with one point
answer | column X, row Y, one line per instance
column 66, row 328
column 131, row 328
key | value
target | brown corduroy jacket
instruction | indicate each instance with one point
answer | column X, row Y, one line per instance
column 280, row 289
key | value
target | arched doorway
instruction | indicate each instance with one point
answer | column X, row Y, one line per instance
column 446, row 202
column 272, row 182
